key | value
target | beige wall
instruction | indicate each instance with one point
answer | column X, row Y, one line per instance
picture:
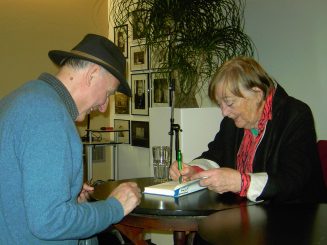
column 30, row 28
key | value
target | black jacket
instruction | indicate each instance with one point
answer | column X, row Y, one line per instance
column 287, row 152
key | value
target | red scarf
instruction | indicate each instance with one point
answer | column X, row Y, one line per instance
column 250, row 144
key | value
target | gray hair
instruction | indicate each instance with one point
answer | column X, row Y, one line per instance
column 240, row 72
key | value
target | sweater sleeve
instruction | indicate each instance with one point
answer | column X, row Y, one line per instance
column 257, row 184
column 51, row 172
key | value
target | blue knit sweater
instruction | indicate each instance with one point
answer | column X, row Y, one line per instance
column 41, row 171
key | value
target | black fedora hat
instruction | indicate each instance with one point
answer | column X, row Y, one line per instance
column 99, row 50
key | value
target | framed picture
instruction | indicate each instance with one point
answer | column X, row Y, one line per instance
column 123, row 136
column 137, row 26
column 140, row 133
column 121, row 103
column 140, row 96
column 158, row 56
column 139, row 58
column 121, row 38
column 159, row 89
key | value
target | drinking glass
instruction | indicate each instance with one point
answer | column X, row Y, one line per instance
column 161, row 160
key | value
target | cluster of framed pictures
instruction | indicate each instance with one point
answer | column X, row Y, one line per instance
column 137, row 134
column 149, row 85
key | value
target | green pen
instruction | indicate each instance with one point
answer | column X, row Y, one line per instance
column 180, row 165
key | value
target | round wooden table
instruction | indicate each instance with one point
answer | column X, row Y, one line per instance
column 162, row 213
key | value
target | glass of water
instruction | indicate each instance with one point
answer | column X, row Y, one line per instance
column 161, row 161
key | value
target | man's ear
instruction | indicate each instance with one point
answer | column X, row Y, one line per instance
column 91, row 73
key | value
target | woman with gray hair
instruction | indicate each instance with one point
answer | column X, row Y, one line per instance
column 266, row 146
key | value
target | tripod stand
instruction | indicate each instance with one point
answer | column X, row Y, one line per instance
column 174, row 128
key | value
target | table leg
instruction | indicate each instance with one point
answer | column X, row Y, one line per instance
column 132, row 233
column 179, row 237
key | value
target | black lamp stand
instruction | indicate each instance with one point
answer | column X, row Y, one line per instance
column 174, row 128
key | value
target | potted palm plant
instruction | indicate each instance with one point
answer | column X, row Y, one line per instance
column 191, row 37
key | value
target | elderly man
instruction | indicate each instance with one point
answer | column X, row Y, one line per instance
column 42, row 200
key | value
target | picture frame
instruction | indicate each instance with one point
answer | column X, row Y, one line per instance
column 140, row 133
column 139, row 59
column 158, row 57
column 140, row 95
column 160, row 89
column 122, row 102
column 137, row 27
column 123, row 137
column 121, row 38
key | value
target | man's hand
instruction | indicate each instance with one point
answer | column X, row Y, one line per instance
column 128, row 194
column 84, row 195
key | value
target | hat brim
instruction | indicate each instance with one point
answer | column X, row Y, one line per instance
column 58, row 57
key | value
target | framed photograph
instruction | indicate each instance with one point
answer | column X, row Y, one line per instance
column 140, row 95
column 159, row 89
column 121, row 103
column 123, row 136
column 158, row 57
column 139, row 58
column 137, row 26
column 121, row 38
column 140, row 133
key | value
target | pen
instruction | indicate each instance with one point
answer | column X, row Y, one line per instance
column 179, row 161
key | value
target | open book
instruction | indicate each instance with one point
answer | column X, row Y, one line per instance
column 174, row 188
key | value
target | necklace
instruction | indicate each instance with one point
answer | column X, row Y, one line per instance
column 255, row 131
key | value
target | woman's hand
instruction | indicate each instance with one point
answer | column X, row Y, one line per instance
column 220, row 180
column 187, row 171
